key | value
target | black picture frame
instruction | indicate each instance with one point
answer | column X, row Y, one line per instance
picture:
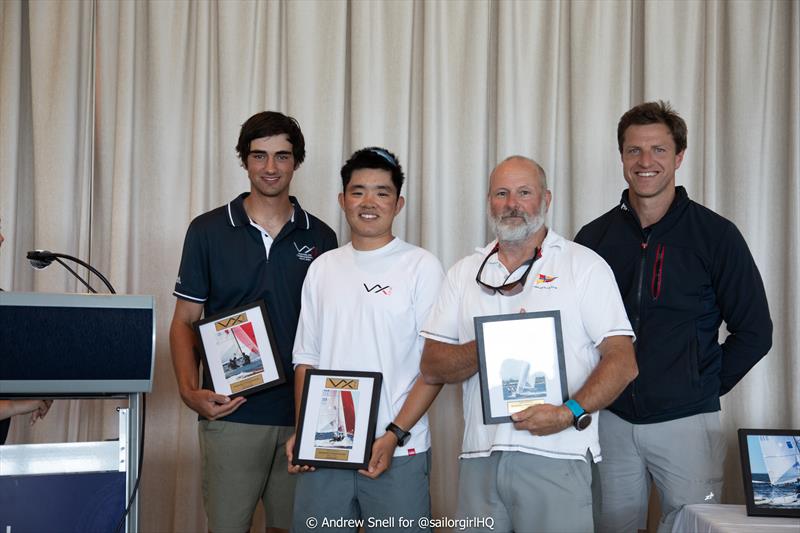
column 338, row 415
column 239, row 351
column 536, row 345
column 771, row 483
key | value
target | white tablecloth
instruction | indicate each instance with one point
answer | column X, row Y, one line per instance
column 705, row 518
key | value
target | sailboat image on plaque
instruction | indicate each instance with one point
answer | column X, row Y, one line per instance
column 338, row 415
column 238, row 350
column 771, row 471
column 337, row 419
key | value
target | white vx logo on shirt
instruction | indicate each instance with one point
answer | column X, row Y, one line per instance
column 305, row 252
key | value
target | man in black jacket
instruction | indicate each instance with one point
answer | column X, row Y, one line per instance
column 682, row 270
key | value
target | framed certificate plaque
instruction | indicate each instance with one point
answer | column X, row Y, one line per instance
column 239, row 350
column 520, row 363
column 338, row 414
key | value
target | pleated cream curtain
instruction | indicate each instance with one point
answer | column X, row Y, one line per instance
column 118, row 122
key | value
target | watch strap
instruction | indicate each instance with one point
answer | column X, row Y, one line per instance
column 401, row 434
column 575, row 407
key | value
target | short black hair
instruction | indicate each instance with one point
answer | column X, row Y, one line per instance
column 268, row 124
column 373, row 157
column 660, row 112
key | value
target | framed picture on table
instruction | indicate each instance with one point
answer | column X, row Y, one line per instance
column 338, row 414
column 520, row 363
column 239, row 350
column 771, row 471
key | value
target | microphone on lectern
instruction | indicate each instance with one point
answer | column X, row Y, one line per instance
column 41, row 259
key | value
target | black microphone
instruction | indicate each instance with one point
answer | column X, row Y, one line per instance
column 40, row 259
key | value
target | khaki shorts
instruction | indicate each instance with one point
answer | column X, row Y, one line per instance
column 244, row 463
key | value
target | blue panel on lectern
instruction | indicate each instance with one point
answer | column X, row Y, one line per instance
column 76, row 344
column 56, row 503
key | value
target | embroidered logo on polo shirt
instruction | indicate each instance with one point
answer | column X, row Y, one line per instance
column 305, row 252
column 377, row 289
column 543, row 281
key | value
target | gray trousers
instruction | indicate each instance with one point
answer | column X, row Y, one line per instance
column 682, row 457
column 525, row 493
column 338, row 500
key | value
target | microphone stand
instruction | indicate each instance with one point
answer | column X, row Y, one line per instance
column 41, row 259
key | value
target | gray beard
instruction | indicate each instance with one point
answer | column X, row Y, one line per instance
column 506, row 232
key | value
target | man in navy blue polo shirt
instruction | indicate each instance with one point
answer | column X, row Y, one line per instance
column 259, row 246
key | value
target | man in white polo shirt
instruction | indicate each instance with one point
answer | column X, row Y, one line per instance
column 533, row 474
column 363, row 306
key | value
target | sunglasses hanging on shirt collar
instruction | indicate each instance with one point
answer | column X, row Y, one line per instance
column 508, row 288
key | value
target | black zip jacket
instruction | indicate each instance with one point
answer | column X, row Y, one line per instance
column 679, row 279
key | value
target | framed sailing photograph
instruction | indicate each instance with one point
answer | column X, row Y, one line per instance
column 338, row 414
column 771, row 471
column 520, row 363
column 239, row 351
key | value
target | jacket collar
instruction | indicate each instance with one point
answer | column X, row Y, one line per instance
column 679, row 203
column 237, row 216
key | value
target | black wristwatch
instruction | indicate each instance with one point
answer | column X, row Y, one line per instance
column 580, row 418
column 401, row 434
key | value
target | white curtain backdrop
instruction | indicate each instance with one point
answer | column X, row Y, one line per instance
column 118, row 121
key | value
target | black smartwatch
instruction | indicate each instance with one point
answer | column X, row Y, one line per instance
column 401, row 434
column 580, row 418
